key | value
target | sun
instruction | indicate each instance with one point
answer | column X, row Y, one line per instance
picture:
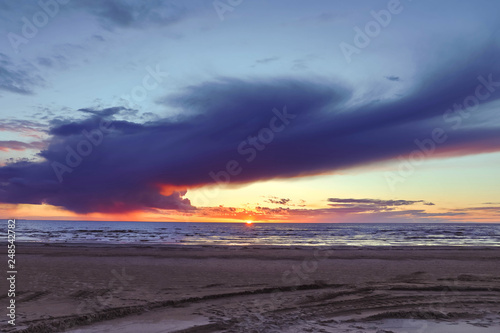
column 248, row 221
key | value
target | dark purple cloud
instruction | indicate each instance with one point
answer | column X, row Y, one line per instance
column 377, row 202
column 393, row 78
column 267, row 60
column 127, row 14
column 241, row 126
column 349, row 206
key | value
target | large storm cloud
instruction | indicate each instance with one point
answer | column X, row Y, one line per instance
column 245, row 130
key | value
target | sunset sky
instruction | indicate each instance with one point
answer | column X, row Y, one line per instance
column 253, row 110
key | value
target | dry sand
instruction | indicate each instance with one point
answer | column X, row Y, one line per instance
column 89, row 288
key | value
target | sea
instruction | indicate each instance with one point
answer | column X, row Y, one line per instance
column 278, row 234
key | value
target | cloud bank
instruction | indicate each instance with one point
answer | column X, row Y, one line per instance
column 225, row 120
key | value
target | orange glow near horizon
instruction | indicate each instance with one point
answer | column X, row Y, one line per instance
column 214, row 214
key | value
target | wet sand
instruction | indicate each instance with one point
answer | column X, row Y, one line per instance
column 96, row 288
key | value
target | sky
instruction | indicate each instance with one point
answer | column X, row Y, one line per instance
column 235, row 110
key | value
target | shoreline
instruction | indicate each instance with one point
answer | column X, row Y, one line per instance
column 256, row 246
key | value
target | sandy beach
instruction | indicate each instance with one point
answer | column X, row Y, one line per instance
column 90, row 288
